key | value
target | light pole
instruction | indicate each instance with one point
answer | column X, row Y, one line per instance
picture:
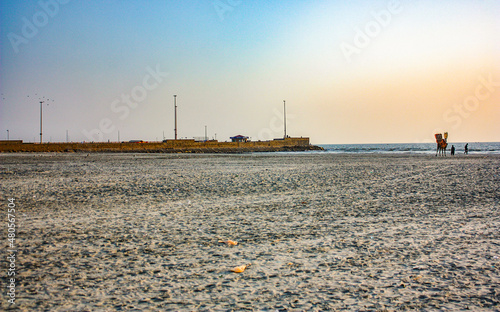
column 284, row 117
column 42, row 100
column 175, row 117
column 41, row 113
column 7, row 134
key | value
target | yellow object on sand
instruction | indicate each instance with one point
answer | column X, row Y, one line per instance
column 229, row 242
column 240, row 269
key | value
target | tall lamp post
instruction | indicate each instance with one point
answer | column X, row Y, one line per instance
column 41, row 119
column 284, row 118
column 42, row 100
column 175, row 117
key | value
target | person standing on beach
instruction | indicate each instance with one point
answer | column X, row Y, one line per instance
column 452, row 150
column 466, row 150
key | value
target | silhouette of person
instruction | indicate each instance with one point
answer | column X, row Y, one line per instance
column 466, row 151
column 452, row 150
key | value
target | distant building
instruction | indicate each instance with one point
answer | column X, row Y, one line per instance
column 239, row 138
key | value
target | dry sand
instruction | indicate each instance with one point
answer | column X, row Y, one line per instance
column 142, row 232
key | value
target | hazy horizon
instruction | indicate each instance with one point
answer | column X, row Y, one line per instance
column 357, row 72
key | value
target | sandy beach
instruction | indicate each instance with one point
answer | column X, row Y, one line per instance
column 146, row 232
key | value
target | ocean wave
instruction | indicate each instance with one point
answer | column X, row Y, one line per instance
column 412, row 148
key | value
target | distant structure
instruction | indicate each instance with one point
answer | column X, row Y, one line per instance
column 243, row 145
column 239, row 138
column 11, row 141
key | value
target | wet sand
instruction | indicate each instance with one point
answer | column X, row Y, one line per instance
column 145, row 232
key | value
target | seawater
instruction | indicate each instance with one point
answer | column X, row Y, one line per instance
column 413, row 148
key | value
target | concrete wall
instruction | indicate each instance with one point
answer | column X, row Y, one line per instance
column 167, row 146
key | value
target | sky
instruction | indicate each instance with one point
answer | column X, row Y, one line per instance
column 348, row 71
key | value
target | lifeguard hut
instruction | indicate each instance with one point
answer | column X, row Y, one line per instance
column 239, row 138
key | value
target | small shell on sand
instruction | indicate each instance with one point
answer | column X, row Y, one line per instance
column 229, row 242
column 240, row 269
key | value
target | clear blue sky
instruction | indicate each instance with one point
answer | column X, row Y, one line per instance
column 350, row 71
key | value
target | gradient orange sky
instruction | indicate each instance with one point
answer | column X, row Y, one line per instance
column 418, row 67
